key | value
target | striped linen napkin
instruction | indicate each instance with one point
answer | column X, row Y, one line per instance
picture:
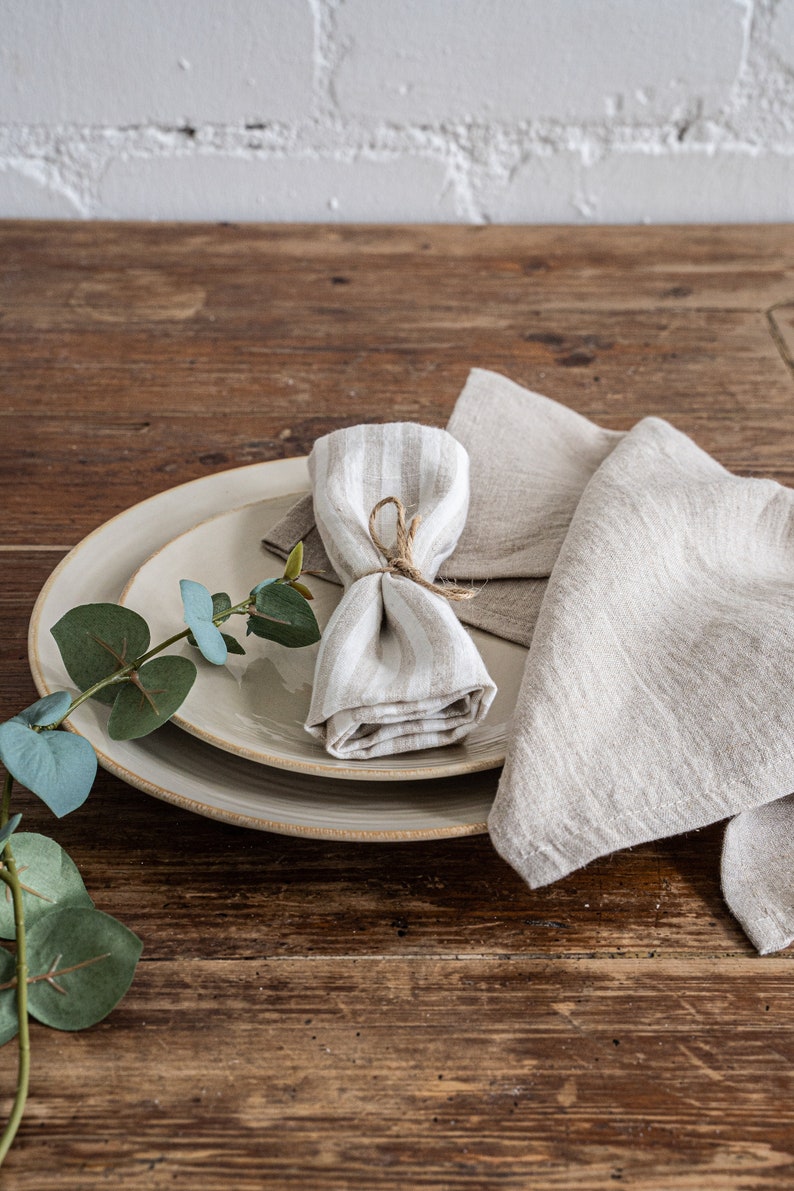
column 396, row 670
column 657, row 695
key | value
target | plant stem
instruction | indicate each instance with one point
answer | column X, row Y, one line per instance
column 216, row 620
column 9, row 875
column 157, row 649
column 119, row 676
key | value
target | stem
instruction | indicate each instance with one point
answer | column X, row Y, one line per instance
column 11, row 878
column 158, row 649
column 112, row 679
column 123, row 675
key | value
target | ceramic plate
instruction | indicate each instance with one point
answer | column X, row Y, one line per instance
column 175, row 766
column 255, row 706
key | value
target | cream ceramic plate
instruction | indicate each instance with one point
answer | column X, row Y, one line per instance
column 255, row 706
column 175, row 766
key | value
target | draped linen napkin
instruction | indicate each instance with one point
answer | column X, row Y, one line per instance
column 396, row 671
column 657, row 695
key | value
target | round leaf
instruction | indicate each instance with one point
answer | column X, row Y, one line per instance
column 261, row 586
column 220, row 604
column 284, row 616
column 102, row 955
column 199, row 611
column 45, row 711
column 51, row 878
column 9, row 1026
column 96, row 640
column 232, row 644
column 137, row 712
column 58, row 766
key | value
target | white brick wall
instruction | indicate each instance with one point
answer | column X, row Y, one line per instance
column 470, row 110
column 511, row 60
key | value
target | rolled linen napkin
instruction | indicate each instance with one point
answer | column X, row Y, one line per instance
column 396, row 670
column 657, row 695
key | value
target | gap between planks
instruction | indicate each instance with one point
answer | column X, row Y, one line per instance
column 592, row 959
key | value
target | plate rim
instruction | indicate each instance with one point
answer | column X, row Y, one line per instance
column 175, row 797
column 362, row 772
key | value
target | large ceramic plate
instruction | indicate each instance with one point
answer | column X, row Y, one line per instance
column 255, row 706
column 175, row 766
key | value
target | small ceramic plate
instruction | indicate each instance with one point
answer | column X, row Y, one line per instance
column 176, row 767
column 255, row 706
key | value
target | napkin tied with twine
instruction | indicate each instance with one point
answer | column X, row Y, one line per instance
column 396, row 670
column 658, row 601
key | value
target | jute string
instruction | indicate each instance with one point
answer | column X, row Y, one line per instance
column 400, row 557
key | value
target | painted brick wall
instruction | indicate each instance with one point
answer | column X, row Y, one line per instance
column 451, row 110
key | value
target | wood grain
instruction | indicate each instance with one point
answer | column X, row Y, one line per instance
column 314, row 1014
column 550, row 1073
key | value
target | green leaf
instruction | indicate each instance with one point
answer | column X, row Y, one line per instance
column 294, row 564
column 284, row 617
column 199, row 609
column 220, row 603
column 103, row 955
column 166, row 682
column 57, row 766
column 9, row 1025
column 232, row 644
column 95, row 640
column 8, row 831
column 302, row 589
column 261, row 586
column 51, row 877
column 45, row 711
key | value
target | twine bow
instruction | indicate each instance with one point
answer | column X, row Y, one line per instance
column 400, row 557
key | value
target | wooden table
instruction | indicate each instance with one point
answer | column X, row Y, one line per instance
column 332, row 1015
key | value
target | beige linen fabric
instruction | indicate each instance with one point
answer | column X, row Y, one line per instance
column 657, row 695
column 396, row 671
column 522, row 498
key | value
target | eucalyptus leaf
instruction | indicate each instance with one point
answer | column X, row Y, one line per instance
column 9, row 1025
column 199, row 609
column 166, row 682
column 96, row 640
column 261, row 586
column 45, row 711
column 232, row 644
column 102, row 955
column 283, row 616
column 6, row 833
column 51, row 877
column 294, row 564
column 220, row 603
column 59, row 767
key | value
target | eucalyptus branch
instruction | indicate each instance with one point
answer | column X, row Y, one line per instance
column 127, row 672
column 60, row 768
column 9, row 875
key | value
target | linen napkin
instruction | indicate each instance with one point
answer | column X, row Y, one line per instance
column 657, row 694
column 396, row 671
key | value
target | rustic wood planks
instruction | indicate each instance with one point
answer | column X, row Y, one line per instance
column 315, row 1014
